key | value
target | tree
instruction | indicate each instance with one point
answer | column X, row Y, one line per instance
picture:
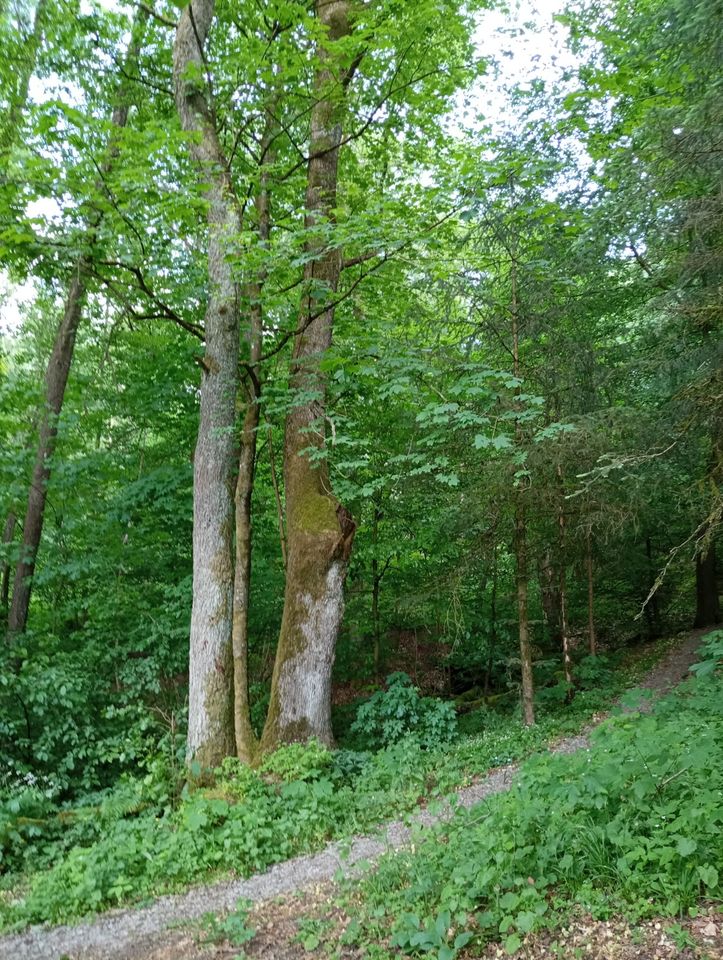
column 320, row 531
column 211, row 710
column 58, row 369
column 657, row 66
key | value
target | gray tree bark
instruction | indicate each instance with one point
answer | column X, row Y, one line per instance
column 210, row 699
column 319, row 530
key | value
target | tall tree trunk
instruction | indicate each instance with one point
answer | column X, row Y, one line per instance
column 564, row 626
column 652, row 608
column 56, row 376
column 277, row 497
column 56, row 379
column 5, row 566
column 245, row 737
column 493, row 625
column 550, row 597
column 319, row 530
column 520, row 539
column 707, row 603
column 376, row 582
column 211, row 735
column 591, row 633
column 528, row 691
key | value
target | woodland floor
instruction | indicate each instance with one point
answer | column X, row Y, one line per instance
column 172, row 927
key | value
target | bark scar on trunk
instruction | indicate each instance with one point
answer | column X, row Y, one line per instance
column 347, row 525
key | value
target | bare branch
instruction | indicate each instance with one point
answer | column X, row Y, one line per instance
column 156, row 16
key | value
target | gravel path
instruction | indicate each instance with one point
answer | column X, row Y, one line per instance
column 116, row 934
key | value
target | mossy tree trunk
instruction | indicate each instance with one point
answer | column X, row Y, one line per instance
column 319, row 529
column 211, row 686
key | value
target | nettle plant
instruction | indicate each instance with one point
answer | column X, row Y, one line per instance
column 400, row 713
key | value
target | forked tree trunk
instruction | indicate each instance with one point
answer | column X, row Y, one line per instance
column 210, row 698
column 56, row 376
column 319, row 529
column 707, row 603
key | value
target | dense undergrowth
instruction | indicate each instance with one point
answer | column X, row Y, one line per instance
column 633, row 825
column 143, row 837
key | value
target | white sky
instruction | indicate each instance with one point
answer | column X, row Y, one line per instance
column 525, row 41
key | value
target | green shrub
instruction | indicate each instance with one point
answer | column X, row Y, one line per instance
column 634, row 824
column 141, row 838
column 238, row 781
column 711, row 654
column 399, row 713
column 297, row 761
column 349, row 764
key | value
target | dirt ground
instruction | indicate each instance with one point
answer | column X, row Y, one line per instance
column 283, row 927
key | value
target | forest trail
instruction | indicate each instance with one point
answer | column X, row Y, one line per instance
column 143, row 933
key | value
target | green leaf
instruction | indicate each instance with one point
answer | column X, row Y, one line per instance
column 513, row 943
column 709, row 875
column 686, row 846
column 509, row 901
column 525, row 921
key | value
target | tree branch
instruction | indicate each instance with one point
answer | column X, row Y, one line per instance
column 142, row 284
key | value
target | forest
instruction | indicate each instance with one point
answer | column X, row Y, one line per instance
column 361, row 432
